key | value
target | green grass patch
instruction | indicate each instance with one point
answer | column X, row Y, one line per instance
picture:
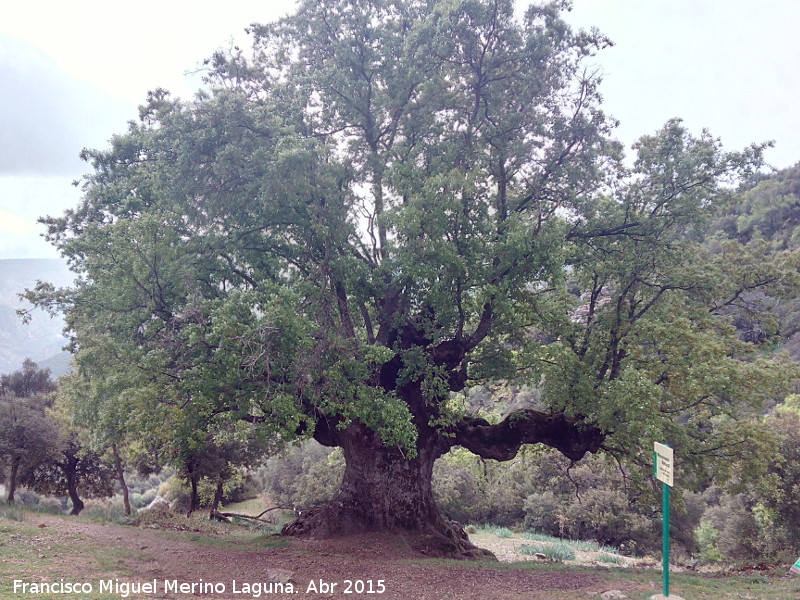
column 501, row 532
column 541, row 537
column 251, row 507
column 106, row 513
column 45, row 509
column 269, row 541
column 12, row 512
column 234, row 539
column 582, row 545
column 202, row 539
column 120, row 561
column 589, row 546
column 611, row 559
column 553, row 552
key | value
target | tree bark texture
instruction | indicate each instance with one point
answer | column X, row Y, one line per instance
column 70, row 466
column 194, row 499
column 120, row 472
column 12, row 480
column 217, row 499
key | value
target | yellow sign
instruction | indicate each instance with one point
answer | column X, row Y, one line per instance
column 664, row 463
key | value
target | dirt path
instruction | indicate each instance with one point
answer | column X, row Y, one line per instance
column 385, row 566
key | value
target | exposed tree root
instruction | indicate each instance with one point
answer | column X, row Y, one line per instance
column 438, row 538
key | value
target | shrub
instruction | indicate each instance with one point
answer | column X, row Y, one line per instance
column 542, row 513
column 245, row 488
column 458, row 490
column 138, row 483
column 613, row 559
column 50, row 505
column 104, row 510
column 592, row 546
column 540, row 537
column 27, row 497
column 302, row 475
column 177, row 493
column 606, row 516
column 167, row 519
column 471, row 489
column 11, row 512
column 142, row 500
column 740, row 539
column 707, row 535
column 778, row 492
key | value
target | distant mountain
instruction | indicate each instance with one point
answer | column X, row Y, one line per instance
column 59, row 365
column 42, row 339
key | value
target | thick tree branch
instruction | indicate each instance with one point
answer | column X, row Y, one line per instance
column 483, row 327
column 503, row 440
column 344, row 309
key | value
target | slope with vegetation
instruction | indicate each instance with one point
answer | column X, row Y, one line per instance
column 41, row 339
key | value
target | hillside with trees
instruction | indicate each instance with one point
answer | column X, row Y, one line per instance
column 405, row 230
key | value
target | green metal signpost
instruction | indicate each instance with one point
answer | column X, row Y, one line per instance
column 662, row 470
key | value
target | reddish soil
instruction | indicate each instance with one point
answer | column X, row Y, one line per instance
column 146, row 554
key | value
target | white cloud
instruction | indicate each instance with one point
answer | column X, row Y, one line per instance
column 47, row 117
column 15, row 225
column 727, row 66
column 22, row 201
column 126, row 49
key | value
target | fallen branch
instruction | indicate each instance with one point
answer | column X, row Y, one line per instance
column 257, row 517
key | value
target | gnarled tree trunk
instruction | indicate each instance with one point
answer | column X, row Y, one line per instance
column 194, row 494
column 383, row 490
column 70, row 467
column 193, row 475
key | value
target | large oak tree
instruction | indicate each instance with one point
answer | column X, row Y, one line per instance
column 383, row 203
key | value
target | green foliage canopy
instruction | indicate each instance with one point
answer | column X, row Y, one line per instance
column 388, row 201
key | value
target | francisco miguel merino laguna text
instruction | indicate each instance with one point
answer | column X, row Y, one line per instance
column 256, row 589
column 125, row 588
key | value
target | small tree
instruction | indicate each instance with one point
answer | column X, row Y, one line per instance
column 28, row 436
column 87, row 402
column 76, row 471
column 28, row 381
column 215, row 452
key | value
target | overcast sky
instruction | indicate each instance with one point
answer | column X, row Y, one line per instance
column 72, row 74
